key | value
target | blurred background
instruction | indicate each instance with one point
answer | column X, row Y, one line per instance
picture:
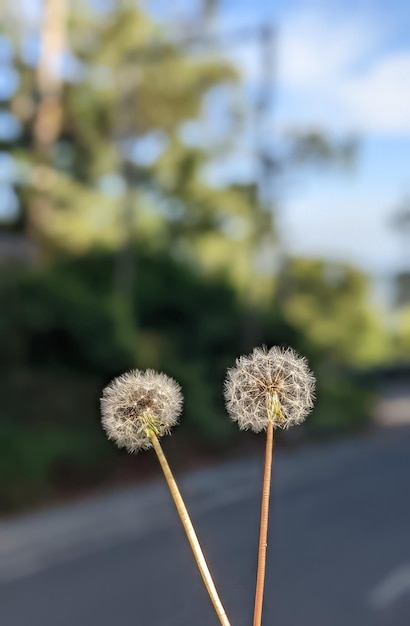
column 180, row 182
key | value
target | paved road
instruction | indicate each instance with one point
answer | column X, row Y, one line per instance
column 339, row 550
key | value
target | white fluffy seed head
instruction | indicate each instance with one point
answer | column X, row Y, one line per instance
column 138, row 402
column 269, row 385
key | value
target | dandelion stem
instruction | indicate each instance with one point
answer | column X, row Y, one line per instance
column 263, row 535
column 190, row 532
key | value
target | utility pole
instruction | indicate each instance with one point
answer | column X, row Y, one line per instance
column 125, row 263
column 209, row 10
column 401, row 223
column 263, row 113
column 266, row 162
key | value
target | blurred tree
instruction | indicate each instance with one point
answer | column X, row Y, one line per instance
column 121, row 171
column 402, row 334
column 401, row 224
column 330, row 304
column 48, row 111
column 313, row 147
column 118, row 167
column 342, row 333
column 48, row 116
column 123, row 83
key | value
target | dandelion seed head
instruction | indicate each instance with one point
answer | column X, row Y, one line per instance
column 269, row 385
column 138, row 402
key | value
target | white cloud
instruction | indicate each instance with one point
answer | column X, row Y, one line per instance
column 340, row 229
column 379, row 99
column 315, row 50
column 340, row 74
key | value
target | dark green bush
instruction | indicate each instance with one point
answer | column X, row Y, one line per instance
column 64, row 334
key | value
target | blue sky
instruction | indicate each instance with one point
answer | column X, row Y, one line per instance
column 343, row 67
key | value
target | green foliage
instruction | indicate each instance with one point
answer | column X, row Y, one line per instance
column 38, row 462
column 52, row 319
column 330, row 304
column 131, row 84
column 343, row 402
column 339, row 331
column 197, row 297
column 402, row 334
column 65, row 336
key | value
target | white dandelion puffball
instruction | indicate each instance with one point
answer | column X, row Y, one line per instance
column 274, row 385
column 137, row 403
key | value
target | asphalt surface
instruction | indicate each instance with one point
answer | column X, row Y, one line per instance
column 338, row 553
